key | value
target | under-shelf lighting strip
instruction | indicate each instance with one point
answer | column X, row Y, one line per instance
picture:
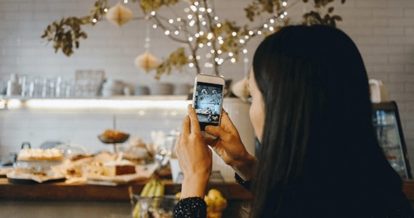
column 70, row 104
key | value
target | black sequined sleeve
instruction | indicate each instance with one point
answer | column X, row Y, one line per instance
column 191, row 207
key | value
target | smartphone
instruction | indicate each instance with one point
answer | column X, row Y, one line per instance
column 208, row 99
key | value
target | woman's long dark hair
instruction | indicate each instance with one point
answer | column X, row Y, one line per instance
column 318, row 147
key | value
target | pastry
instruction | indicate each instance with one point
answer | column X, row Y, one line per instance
column 52, row 154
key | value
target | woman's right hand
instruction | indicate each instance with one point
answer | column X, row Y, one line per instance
column 230, row 148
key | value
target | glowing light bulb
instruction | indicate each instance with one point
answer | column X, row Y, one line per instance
column 171, row 21
column 198, row 57
column 176, row 32
column 272, row 21
column 251, row 33
column 193, row 8
column 210, row 36
column 284, row 4
column 271, row 28
column 233, row 60
column 209, row 44
column 202, row 9
column 216, row 18
column 191, row 65
column 153, row 13
column 259, row 32
column 192, row 22
column 167, row 32
column 94, row 20
column 204, row 23
column 282, row 16
column 105, row 10
column 197, row 35
column 218, row 25
column 285, row 13
column 242, row 41
column 234, row 34
column 265, row 25
column 196, row 3
column 212, row 51
column 201, row 45
column 219, row 51
column 178, row 19
column 190, row 16
column 154, row 26
column 190, row 39
column 209, row 10
column 244, row 51
column 231, row 54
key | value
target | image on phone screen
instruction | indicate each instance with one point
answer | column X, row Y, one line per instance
column 207, row 103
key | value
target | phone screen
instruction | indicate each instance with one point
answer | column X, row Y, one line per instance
column 208, row 100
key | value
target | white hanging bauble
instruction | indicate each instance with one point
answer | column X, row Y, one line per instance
column 147, row 61
column 241, row 89
column 119, row 14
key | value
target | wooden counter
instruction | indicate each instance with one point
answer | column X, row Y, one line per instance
column 81, row 192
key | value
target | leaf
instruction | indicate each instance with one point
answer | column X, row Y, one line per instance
column 177, row 59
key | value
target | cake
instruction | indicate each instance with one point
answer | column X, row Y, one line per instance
column 122, row 167
column 52, row 154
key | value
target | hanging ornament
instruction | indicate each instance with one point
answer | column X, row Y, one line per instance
column 119, row 14
column 147, row 61
column 241, row 89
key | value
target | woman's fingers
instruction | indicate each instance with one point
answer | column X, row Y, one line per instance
column 214, row 130
column 195, row 126
column 186, row 128
column 218, row 132
column 227, row 123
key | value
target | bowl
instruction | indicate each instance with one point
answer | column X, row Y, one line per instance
column 106, row 140
column 153, row 206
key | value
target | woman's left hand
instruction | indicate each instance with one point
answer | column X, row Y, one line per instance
column 194, row 157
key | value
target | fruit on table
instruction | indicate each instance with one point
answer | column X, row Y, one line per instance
column 154, row 188
column 215, row 202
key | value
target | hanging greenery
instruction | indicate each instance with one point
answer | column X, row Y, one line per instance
column 67, row 33
column 205, row 37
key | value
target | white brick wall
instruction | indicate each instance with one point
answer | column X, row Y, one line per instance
column 382, row 29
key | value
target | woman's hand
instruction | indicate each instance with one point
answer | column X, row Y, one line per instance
column 194, row 157
column 230, row 148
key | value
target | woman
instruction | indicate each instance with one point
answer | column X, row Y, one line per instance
column 311, row 112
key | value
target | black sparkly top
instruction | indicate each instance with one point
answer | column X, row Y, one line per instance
column 194, row 207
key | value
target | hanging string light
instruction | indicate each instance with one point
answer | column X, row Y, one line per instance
column 197, row 28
